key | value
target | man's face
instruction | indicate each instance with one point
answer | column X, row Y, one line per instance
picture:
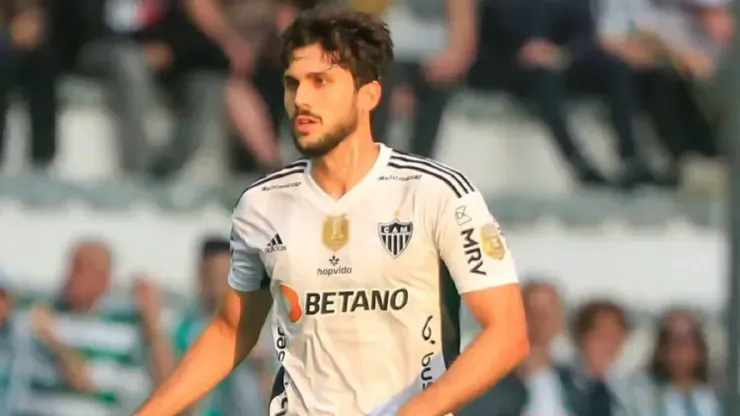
column 544, row 314
column 214, row 274
column 89, row 276
column 321, row 101
column 602, row 344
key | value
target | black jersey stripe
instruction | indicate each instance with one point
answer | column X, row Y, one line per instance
column 287, row 170
column 431, row 172
column 276, row 175
column 460, row 178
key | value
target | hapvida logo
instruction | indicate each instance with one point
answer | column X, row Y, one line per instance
column 334, row 271
column 335, row 268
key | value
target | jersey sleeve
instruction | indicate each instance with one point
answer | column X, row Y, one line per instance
column 470, row 243
column 247, row 272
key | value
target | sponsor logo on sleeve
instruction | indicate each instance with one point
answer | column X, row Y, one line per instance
column 492, row 242
column 472, row 251
column 462, row 217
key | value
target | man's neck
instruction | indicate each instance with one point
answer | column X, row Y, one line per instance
column 342, row 168
column 684, row 384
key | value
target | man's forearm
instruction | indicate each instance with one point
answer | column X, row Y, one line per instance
column 161, row 359
column 488, row 358
column 211, row 20
column 209, row 361
column 463, row 25
column 71, row 364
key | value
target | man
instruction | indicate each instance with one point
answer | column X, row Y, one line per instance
column 539, row 386
column 600, row 329
column 242, row 392
column 246, row 31
column 92, row 349
column 678, row 45
column 435, row 43
column 16, row 359
column 349, row 243
column 27, row 61
column 552, row 43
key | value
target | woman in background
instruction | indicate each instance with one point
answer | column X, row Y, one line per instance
column 678, row 374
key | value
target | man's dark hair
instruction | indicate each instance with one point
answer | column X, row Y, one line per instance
column 214, row 245
column 356, row 41
column 586, row 316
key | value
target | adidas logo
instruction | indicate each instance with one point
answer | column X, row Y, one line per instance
column 276, row 244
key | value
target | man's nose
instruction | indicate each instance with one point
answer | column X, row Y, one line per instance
column 302, row 96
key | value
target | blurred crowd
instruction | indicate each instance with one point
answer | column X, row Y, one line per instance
column 676, row 380
column 94, row 349
column 216, row 59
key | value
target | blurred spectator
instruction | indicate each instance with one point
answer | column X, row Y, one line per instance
column 191, row 70
column 678, row 374
column 15, row 357
column 599, row 332
column 551, row 42
column 247, row 32
column 678, row 44
column 27, row 63
column 539, row 386
column 435, row 42
column 110, row 51
column 244, row 391
column 92, row 348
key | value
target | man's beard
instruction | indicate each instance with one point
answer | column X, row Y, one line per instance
column 328, row 141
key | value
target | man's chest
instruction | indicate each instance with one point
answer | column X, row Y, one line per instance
column 377, row 243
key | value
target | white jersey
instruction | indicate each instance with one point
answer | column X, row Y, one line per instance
column 365, row 313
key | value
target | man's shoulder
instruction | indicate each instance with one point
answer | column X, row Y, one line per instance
column 287, row 179
column 436, row 178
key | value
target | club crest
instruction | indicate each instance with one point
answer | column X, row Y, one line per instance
column 395, row 236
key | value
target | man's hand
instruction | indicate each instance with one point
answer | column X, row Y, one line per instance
column 639, row 51
column 158, row 55
column 26, row 30
column 241, row 55
column 693, row 63
column 71, row 364
column 539, row 53
column 148, row 301
column 42, row 321
column 285, row 15
column 447, row 67
column 636, row 55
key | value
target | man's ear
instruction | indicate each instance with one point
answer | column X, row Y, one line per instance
column 369, row 95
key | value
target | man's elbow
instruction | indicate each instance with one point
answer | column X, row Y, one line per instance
column 516, row 345
column 519, row 349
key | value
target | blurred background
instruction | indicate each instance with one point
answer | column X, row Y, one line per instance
column 128, row 129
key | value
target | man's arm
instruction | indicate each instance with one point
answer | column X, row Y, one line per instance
column 225, row 342
column 158, row 351
column 230, row 336
column 71, row 365
column 473, row 249
column 463, row 25
column 209, row 17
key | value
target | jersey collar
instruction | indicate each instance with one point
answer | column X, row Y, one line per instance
column 356, row 191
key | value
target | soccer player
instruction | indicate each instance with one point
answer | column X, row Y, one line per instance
column 352, row 246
